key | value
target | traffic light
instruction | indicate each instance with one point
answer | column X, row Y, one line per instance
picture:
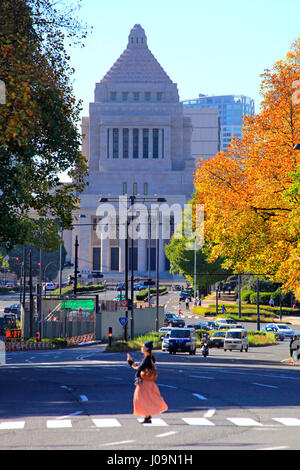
column 37, row 336
column 109, row 335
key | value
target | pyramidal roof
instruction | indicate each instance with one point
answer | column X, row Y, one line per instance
column 136, row 63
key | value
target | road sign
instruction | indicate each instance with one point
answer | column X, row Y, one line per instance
column 123, row 320
column 13, row 334
column 86, row 304
column 123, row 303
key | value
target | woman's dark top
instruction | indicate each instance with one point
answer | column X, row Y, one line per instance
column 146, row 363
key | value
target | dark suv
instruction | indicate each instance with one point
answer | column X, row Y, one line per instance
column 172, row 320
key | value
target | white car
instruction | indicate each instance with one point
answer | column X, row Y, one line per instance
column 50, row 286
column 285, row 330
column 236, row 338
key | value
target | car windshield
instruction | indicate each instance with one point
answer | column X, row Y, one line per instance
column 180, row 334
column 283, row 327
column 219, row 334
column 233, row 334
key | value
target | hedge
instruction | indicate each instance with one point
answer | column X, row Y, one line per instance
column 142, row 295
column 264, row 298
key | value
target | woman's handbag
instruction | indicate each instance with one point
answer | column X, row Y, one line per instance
column 149, row 374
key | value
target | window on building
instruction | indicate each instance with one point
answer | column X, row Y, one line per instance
column 134, row 189
column 125, row 143
column 145, row 143
column 124, row 188
column 136, row 96
column 113, row 96
column 159, row 96
column 107, row 144
column 114, row 258
column 147, row 96
column 145, row 189
column 135, row 136
column 96, row 259
column 155, row 143
column 124, row 95
column 115, row 143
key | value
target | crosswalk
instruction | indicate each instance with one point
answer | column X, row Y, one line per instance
column 200, row 421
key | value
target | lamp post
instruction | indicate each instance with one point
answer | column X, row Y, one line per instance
column 131, row 200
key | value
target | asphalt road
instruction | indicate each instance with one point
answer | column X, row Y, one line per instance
column 82, row 399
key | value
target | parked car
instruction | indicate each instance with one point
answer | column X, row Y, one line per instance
column 172, row 320
column 121, row 286
column 139, row 286
column 14, row 308
column 180, row 340
column 164, row 329
column 221, row 321
column 50, row 286
column 285, row 330
column 217, row 339
column 278, row 335
column 236, row 338
column 10, row 285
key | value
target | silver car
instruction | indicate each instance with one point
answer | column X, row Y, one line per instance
column 283, row 329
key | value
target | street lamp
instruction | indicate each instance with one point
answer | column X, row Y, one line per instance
column 132, row 199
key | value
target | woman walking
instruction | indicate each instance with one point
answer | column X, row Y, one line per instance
column 147, row 400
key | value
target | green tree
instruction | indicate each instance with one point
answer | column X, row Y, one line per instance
column 39, row 138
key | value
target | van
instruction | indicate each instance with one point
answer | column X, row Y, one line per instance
column 236, row 338
column 181, row 340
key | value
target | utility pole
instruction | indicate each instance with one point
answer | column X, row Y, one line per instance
column 239, row 294
column 257, row 301
column 30, row 296
column 76, row 265
column 157, row 271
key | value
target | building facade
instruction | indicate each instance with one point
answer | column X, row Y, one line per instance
column 231, row 108
column 138, row 142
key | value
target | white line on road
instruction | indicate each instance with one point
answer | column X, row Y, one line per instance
column 106, row 423
column 117, row 443
column 168, row 386
column 209, row 413
column 12, row 425
column 65, row 423
column 244, row 422
column 198, row 422
column 288, row 421
column 201, row 377
column 264, row 385
column 83, row 398
column 166, row 434
column 201, row 397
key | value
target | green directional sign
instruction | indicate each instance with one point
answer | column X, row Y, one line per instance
column 86, row 304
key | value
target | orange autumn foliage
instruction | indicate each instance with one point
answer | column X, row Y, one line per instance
column 251, row 191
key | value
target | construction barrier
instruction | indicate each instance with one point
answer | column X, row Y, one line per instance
column 81, row 339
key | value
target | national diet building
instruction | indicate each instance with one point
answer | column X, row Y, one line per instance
column 137, row 141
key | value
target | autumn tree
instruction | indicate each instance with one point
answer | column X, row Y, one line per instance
column 251, row 191
column 39, row 138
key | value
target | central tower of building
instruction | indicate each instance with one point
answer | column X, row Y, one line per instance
column 137, row 141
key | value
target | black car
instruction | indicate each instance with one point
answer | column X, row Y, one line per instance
column 217, row 339
column 14, row 308
column 172, row 320
column 199, row 326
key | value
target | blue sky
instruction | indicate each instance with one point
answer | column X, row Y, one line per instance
column 211, row 47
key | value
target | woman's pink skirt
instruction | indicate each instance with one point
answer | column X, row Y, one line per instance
column 147, row 400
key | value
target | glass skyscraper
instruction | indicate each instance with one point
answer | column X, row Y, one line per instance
column 231, row 109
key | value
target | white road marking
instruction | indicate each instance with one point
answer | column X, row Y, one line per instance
column 155, row 422
column 83, row 398
column 168, row 386
column 12, row 425
column 166, row 434
column 198, row 422
column 117, row 443
column 201, row 397
column 106, row 423
column 275, row 448
column 209, row 413
column 264, row 385
column 201, row 377
column 244, row 422
column 288, row 421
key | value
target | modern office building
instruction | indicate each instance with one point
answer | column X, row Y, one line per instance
column 231, row 110
column 137, row 142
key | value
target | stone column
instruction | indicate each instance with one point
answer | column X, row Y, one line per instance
column 105, row 246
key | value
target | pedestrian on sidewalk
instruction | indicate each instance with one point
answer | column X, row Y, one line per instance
column 187, row 303
column 147, row 400
column 179, row 309
column 294, row 346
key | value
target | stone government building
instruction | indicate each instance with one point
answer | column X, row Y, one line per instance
column 137, row 141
